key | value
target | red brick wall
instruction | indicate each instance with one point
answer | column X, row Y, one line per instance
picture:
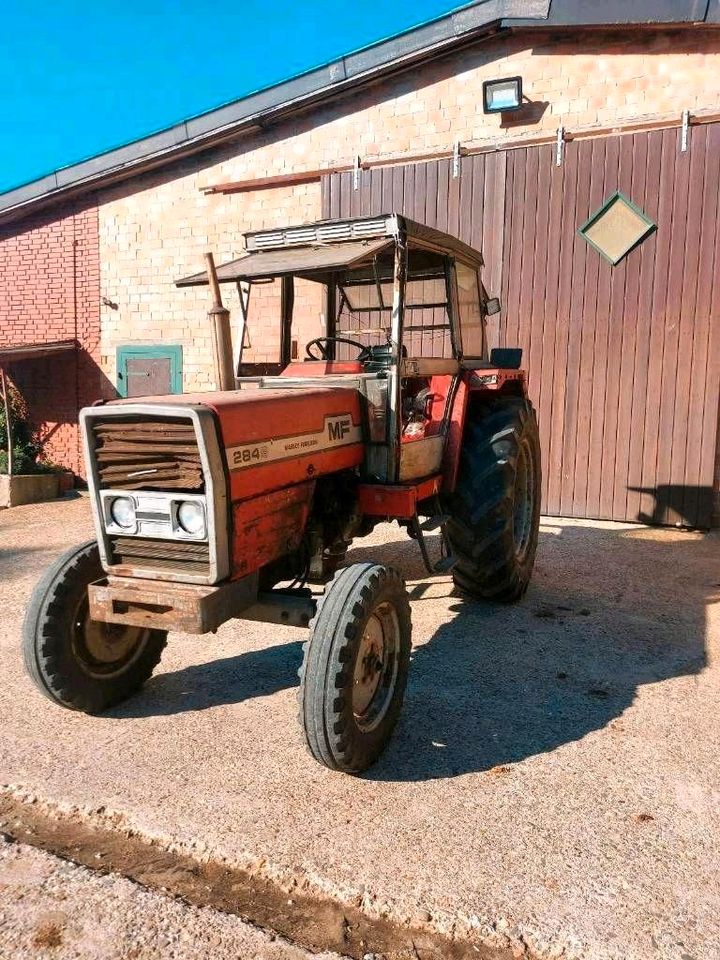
column 50, row 290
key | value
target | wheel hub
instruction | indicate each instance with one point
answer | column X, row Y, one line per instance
column 108, row 642
column 369, row 666
column 375, row 667
column 105, row 649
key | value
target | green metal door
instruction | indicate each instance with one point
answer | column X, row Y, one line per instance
column 149, row 371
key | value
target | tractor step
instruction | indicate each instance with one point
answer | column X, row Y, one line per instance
column 434, row 523
column 418, row 530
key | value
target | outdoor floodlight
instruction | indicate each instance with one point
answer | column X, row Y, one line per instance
column 502, row 95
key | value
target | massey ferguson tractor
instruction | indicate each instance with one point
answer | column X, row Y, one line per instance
column 237, row 504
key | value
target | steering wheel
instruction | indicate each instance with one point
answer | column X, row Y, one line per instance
column 321, row 344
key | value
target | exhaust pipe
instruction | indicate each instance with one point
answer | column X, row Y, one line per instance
column 219, row 318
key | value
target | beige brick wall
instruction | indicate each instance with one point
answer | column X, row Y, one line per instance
column 150, row 234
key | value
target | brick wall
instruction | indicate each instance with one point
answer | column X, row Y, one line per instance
column 49, row 290
column 152, row 237
column 154, row 231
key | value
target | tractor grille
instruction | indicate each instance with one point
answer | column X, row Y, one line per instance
column 172, row 555
column 141, row 453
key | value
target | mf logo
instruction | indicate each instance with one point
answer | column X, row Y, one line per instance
column 338, row 428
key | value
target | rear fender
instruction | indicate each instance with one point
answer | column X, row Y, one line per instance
column 491, row 381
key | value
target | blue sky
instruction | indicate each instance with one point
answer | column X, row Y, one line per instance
column 79, row 77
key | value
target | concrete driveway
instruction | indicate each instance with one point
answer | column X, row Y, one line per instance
column 553, row 788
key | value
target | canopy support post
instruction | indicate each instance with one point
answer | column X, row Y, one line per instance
column 243, row 288
column 287, row 302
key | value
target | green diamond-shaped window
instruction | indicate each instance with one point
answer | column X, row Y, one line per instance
column 617, row 228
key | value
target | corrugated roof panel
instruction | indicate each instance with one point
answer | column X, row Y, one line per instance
column 325, row 231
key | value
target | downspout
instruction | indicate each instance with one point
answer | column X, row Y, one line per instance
column 8, row 421
column 78, row 444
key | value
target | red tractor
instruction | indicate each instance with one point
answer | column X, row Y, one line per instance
column 227, row 505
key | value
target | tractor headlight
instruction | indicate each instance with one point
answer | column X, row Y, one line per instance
column 191, row 517
column 122, row 512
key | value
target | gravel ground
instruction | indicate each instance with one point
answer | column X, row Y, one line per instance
column 52, row 908
column 552, row 785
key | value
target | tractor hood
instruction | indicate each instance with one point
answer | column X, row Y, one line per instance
column 272, row 438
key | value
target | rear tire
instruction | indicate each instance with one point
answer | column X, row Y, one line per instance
column 495, row 510
column 355, row 666
column 76, row 662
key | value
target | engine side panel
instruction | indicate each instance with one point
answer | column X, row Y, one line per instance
column 266, row 527
column 286, row 437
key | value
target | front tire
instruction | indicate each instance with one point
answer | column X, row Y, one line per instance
column 355, row 667
column 495, row 509
column 77, row 662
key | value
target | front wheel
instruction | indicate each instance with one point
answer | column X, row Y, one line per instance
column 79, row 663
column 495, row 510
column 355, row 666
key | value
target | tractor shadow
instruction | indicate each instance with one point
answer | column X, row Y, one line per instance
column 244, row 676
column 609, row 610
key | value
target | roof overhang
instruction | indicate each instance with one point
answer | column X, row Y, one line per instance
column 268, row 105
column 585, row 13
column 36, row 351
column 476, row 21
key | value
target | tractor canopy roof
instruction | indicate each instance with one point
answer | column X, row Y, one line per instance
column 319, row 251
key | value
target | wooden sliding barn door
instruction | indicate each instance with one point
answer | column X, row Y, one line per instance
column 623, row 361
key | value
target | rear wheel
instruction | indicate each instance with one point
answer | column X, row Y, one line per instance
column 355, row 667
column 495, row 510
column 77, row 662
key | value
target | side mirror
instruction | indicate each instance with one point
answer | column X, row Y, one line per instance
column 492, row 306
